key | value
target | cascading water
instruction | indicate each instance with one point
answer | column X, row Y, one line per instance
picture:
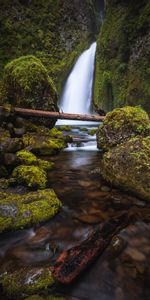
column 77, row 93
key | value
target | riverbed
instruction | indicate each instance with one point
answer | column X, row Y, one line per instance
column 122, row 272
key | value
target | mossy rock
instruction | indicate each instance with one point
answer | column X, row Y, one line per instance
column 19, row 211
column 27, row 281
column 31, row 176
column 127, row 166
column 120, row 125
column 92, row 131
column 25, row 157
column 27, row 84
column 43, row 145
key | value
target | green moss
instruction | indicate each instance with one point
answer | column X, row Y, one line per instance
column 122, row 124
column 92, row 131
column 53, row 31
column 43, row 145
column 45, row 165
column 26, row 281
column 26, row 157
column 122, row 55
column 32, row 176
column 27, row 84
column 19, row 211
column 65, row 128
column 127, row 166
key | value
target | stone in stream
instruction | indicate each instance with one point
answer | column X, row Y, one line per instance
column 19, row 211
column 26, row 281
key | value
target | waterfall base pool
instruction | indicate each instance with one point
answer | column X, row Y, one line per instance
column 122, row 272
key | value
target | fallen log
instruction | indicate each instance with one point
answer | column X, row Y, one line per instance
column 57, row 115
column 74, row 260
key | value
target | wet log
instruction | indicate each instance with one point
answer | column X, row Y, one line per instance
column 57, row 115
column 74, row 260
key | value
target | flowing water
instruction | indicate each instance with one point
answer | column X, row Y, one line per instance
column 77, row 93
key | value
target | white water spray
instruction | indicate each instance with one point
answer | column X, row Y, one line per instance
column 77, row 93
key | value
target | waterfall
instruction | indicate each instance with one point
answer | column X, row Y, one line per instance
column 77, row 94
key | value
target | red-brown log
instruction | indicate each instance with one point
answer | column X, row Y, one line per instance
column 57, row 115
column 73, row 261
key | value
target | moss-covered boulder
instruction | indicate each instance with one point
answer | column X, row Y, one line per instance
column 120, row 125
column 31, row 176
column 43, row 145
column 27, row 84
column 19, row 211
column 26, row 281
column 127, row 166
column 25, row 157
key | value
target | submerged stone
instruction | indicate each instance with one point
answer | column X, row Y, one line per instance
column 19, row 211
column 128, row 166
column 120, row 125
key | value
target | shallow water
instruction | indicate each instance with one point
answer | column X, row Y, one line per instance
column 122, row 272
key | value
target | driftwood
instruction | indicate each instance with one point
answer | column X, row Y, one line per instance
column 57, row 115
column 73, row 261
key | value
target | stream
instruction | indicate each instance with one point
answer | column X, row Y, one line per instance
column 122, row 272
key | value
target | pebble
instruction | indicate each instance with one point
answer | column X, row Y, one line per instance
column 105, row 188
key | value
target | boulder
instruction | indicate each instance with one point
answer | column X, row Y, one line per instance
column 127, row 166
column 120, row 125
column 19, row 211
column 31, row 176
column 27, row 84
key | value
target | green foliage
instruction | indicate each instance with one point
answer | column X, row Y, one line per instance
column 32, row 176
column 123, row 52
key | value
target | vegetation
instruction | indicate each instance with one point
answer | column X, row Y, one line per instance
column 122, row 69
column 56, row 32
